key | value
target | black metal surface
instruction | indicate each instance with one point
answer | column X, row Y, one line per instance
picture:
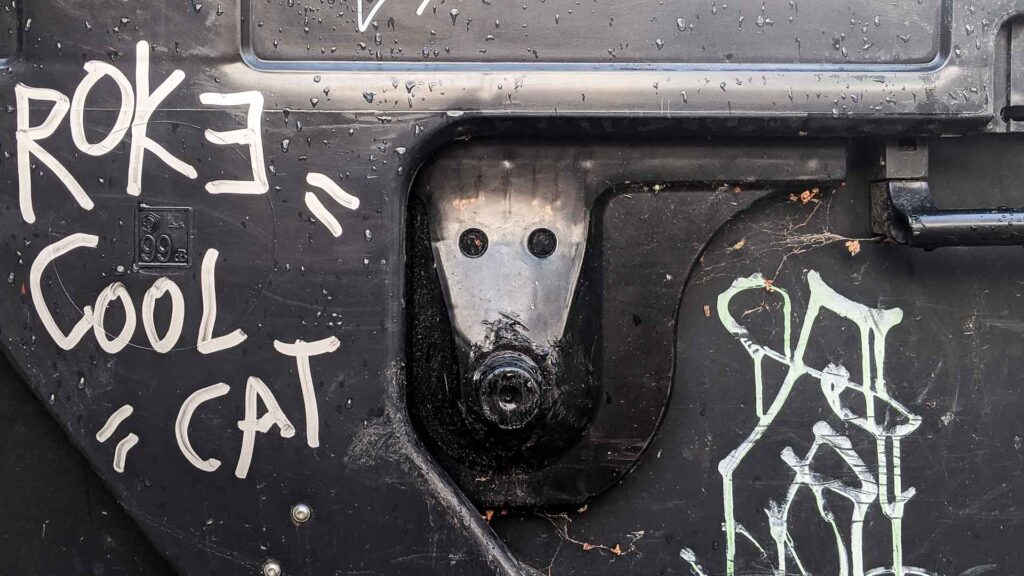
column 284, row 272
column 904, row 212
column 59, row 518
column 600, row 410
column 950, row 360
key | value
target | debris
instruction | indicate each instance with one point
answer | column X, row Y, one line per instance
column 617, row 550
column 739, row 245
column 806, row 196
column 582, row 509
column 488, row 514
column 769, row 285
column 707, row 311
column 853, row 246
column 587, row 546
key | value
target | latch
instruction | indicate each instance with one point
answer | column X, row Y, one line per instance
column 902, row 208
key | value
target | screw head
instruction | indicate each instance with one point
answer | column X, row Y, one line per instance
column 301, row 513
column 271, row 568
column 542, row 242
column 473, row 243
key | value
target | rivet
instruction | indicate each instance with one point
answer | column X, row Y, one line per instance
column 301, row 513
column 271, row 568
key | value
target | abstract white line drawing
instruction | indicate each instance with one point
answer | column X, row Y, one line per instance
column 364, row 23
column 882, row 484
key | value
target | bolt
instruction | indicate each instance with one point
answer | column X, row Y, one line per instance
column 473, row 243
column 508, row 389
column 271, row 568
column 301, row 513
column 542, row 243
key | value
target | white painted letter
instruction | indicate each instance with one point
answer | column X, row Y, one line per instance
column 302, row 351
column 146, row 104
column 317, row 207
column 28, row 137
column 255, row 390
column 207, row 344
column 163, row 285
column 97, row 70
column 49, row 254
column 112, row 291
column 251, row 136
column 185, row 417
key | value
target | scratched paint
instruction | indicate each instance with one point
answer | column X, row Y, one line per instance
column 877, row 489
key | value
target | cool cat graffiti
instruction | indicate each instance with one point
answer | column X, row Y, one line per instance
column 136, row 108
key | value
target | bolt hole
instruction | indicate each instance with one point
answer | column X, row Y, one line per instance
column 509, row 396
column 473, row 243
column 542, row 243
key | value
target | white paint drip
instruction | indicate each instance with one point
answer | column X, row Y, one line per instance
column 206, row 343
column 302, row 351
column 691, row 558
column 181, row 424
column 250, row 136
column 882, row 487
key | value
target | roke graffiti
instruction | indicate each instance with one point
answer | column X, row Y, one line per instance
column 864, row 405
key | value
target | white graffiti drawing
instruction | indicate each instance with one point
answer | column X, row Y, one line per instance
column 364, row 22
column 866, row 405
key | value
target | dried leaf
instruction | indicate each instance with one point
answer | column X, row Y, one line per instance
column 769, row 285
column 582, row 509
column 853, row 246
column 488, row 514
column 809, row 195
column 739, row 245
column 617, row 550
column 587, row 547
column 707, row 311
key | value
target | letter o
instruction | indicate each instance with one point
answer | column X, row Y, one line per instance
column 97, row 70
column 163, row 285
column 115, row 290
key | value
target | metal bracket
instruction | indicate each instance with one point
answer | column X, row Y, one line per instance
column 902, row 208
